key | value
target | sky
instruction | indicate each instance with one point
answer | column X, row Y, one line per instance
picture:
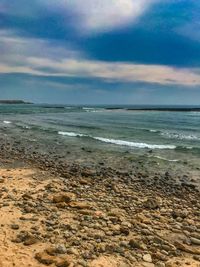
column 100, row 51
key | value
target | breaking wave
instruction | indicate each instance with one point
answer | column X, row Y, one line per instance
column 180, row 136
column 71, row 134
column 119, row 142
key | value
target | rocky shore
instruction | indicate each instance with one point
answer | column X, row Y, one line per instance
column 59, row 214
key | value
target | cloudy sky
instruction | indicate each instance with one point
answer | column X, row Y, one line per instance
column 100, row 51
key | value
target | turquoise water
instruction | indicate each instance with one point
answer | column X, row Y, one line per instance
column 170, row 135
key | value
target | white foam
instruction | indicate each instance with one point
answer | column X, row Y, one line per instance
column 7, row 122
column 189, row 147
column 194, row 113
column 25, row 126
column 134, row 144
column 180, row 136
column 119, row 142
column 153, row 131
column 71, row 134
column 87, row 109
column 170, row 160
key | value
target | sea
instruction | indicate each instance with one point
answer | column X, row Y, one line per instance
column 106, row 133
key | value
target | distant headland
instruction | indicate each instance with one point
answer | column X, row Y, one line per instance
column 14, row 102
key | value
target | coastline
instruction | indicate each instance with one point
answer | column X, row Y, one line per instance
column 78, row 216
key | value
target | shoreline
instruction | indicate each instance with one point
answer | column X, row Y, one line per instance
column 76, row 216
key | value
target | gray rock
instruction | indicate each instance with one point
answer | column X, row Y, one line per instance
column 195, row 241
column 151, row 204
column 61, row 249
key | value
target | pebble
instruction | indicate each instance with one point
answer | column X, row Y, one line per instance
column 63, row 197
column 147, row 258
column 196, row 257
column 63, row 262
column 136, row 244
column 82, row 263
column 151, row 204
column 160, row 264
column 14, row 226
column 195, row 241
column 30, row 241
column 44, row 258
column 61, row 249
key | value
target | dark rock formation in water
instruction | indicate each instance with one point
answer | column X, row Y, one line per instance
column 14, row 102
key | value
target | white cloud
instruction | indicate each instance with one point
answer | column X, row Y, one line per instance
column 89, row 16
column 101, row 15
column 116, row 72
column 39, row 57
column 119, row 71
column 17, row 48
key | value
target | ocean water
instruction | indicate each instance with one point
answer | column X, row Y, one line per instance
column 168, row 136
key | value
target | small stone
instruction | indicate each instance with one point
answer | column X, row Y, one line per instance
column 51, row 251
column 147, row 258
column 44, row 258
column 14, row 226
column 124, row 230
column 63, row 197
column 73, row 251
column 80, row 205
column 136, row 244
column 158, row 255
column 179, row 214
column 30, row 241
column 196, row 235
column 151, row 204
column 83, row 182
column 186, row 248
column 61, row 249
column 195, row 241
column 82, row 263
column 63, row 262
column 196, row 257
column 160, row 264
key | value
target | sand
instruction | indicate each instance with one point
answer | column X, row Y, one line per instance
column 28, row 187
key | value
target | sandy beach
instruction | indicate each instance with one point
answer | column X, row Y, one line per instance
column 107, row 219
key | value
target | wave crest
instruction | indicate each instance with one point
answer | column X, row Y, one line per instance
column 119, row 142
column 71, row 134
column 180, row 136
column 134, row 144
